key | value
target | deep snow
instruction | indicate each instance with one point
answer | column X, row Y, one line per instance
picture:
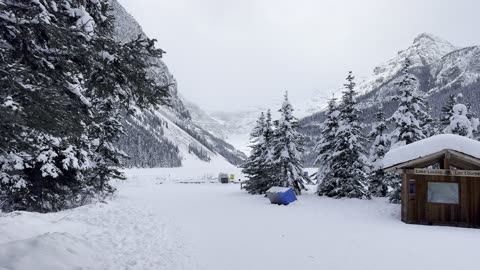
column 158, row 224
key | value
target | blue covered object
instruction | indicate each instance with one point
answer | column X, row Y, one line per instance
column 281, row 195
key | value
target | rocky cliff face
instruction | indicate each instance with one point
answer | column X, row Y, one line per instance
column 166, row 136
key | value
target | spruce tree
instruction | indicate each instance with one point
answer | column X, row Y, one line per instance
column 65, row 85
column 255, row 167
column 325, row 146
column 348, row 162
column 267, row 148
column 456, row 118
column 447, row 112
column 431, row 125
column 287, row 146
column 410, row 116
column 462, row 122
column 378, row 179
column 409, row 120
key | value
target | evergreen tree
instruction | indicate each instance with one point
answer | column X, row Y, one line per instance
column 432, row 125
column 267, row 148
column 347, row 177
column 429, row 125
column 457, row 119
column 447, row 112
column 287, row 146
column 462, row 122
column 409, row 120
column 65, row 83
column 410, row 116
column 379, row 180
column 255, row 167
column 325, row 146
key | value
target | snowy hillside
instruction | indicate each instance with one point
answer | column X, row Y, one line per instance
column 165, row 137
column 233, row 127
column 205, row 120
column 440, row 69
column 458, row 69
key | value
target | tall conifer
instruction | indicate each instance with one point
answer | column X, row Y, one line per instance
column 325, row 146
column 287, row 149
column 348, row 164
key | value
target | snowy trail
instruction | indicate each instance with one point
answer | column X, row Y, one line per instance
column 133, row 238
column 121, row 234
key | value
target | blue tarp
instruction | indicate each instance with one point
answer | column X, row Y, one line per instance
column 281, row 195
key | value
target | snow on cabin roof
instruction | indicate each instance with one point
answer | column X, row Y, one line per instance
column 430, row 146
column 278, row 189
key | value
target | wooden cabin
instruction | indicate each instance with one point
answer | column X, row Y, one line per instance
column 440, row 180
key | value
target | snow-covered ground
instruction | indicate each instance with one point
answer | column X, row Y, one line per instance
column 157, row 224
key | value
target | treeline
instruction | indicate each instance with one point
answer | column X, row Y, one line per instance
column 65, row 87
column 349, row 158
column 213, row 143
column 310, row 126
column 199, row 152
column 144, row 142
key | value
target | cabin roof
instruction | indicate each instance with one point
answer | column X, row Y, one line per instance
column 465, row 151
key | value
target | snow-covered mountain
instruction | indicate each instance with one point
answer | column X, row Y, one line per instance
column 424, row 53
column 166, row 136
column 233, row 127
column 440, row 68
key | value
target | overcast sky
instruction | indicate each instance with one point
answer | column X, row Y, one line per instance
column 230, row 55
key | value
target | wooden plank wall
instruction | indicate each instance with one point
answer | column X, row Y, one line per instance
column 466, row 213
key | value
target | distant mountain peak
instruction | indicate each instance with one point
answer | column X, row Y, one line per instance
column 428, row 48
column 427, row 37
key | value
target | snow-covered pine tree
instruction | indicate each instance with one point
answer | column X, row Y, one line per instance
column 431, row 125
column 325, row 146
column 348, row 163
column 255, row 165
column 462, row 122
column 378, row 179
column 287, row 148
column 65, row 83
column 447, row 112
column 457, row 119
column 409, row 120
column 268, row 145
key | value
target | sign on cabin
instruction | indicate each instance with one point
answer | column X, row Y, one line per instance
column 463, row 173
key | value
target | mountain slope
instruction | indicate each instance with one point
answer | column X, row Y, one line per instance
column 233, row 127
column 165, row 136
column 440, row 69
